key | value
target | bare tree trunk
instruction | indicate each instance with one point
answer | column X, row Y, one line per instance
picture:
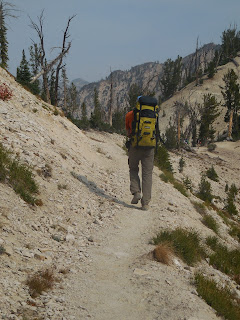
column 111, row 99
column 178, row 129
column 196, row 63
column 63, row 53
column 230, row 125
column 64, row 76
column 45, row 68
column 48, row 67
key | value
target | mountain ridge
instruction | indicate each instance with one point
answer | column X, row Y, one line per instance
column 144, row 75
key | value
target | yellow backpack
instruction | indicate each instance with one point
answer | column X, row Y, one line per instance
column 145, row 123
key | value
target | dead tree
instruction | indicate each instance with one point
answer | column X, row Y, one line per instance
column 60, row 59
column 45, row 66
column 180, row 113
column 110, row 100
column 65, row 81
column 44, row 72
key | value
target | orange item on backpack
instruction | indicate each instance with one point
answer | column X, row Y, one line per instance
column 128, row 121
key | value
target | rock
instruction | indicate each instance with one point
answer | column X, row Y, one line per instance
column 140, row 272
column 70, row 237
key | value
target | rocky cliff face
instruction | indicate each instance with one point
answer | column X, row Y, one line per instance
column 146, row 75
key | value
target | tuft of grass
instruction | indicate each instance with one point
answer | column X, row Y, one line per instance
column 185, row 243
column 163, row 253
column 235, row 232
column 167, row 176
column 212, row 242
column 220, row 299
column 227, row 261
column 2, row 250
column 41, row 281
column 62, row 186
column 200, row 207
column 21, row 179
column 180, row 187
column 18, row 175
column 211, row 223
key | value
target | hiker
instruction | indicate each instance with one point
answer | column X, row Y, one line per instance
column 142, row 131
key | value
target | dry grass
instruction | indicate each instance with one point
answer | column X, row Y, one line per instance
column 163, row 253
column 41, row 281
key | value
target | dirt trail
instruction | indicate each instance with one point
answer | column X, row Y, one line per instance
column 121, row 282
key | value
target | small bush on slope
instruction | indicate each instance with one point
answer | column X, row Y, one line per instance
column 185, row 243
column 18, row 175
column 221, row 299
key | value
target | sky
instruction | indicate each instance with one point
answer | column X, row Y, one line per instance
column 119, row 34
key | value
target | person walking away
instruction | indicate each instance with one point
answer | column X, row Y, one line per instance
column 142, row 131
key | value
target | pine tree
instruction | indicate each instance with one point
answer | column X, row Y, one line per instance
column 231, row 95
column 119, row 121
column 134, row 91
column 52, row 87
column 230, row 44
column 171, row 78
column 23, row 71
column 72, row 100
column 34, row 63
column 96, row 117
column 208, row 115
column 3, row 39
column 84, row 118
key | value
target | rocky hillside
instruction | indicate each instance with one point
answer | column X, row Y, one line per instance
column 193, row 95
column 95, row 244
column 146, row 75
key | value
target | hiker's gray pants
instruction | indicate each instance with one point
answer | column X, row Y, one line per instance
column 146, row 157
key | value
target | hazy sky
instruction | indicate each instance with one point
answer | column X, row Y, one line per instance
column 120, row 33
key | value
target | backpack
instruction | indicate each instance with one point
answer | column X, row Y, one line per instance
column 145, row 123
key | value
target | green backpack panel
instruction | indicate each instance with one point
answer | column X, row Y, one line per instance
column 145, row 123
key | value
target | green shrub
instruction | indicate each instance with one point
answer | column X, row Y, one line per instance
column 18, row 175
column 188, row 184
column 212, row 242
column 181, row 164
column 170, row 138
column 231, row 195
column 180, row 187
column 212, row 174
column 235, row 232
column 211, row 223
column 227, row 261
column 200, row 207
column 222, row 300
column 205, row 190
column 167, row 176
column 162, row 159
column 21, row 179
column 211, row 147
column 185, row 243
column 2, row 250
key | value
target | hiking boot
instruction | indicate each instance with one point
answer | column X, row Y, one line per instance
column 136, row 198
column 145, row 207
